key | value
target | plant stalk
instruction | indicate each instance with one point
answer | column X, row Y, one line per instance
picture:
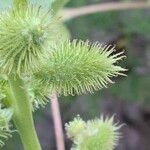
column 21, row 104
column 57, row 122
column 70, row 13
column 22, row 117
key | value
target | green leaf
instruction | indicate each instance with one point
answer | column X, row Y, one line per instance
column 5, row 117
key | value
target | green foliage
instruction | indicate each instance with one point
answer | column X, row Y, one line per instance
column 101, row 22
column 133, row 88
column 5, row 117
column 78, row 67
column 95, row 134
column 137, row 22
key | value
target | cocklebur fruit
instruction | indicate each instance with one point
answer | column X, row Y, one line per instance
column 97, row 134
column 26, row 39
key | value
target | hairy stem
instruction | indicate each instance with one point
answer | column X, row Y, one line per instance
column 22, row 117
column 70, row 13
column 57, row 122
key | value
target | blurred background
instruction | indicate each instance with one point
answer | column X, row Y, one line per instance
column 128, row 98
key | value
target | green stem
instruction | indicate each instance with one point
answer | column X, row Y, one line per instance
column 20, row 102
column 22, row 117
